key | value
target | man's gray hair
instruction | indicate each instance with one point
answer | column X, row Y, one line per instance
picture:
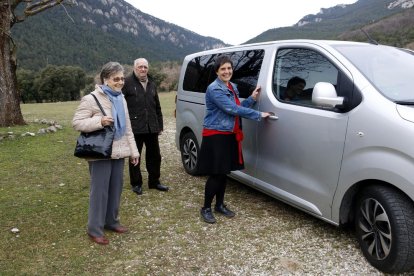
column 140, row 60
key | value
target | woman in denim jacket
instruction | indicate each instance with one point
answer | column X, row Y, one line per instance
column 221, row 150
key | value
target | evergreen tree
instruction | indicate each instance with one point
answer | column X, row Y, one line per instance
column 25, row 84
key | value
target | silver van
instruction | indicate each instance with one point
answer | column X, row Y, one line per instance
column 342, row 149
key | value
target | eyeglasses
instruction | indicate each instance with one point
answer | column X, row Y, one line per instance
column 118, row 79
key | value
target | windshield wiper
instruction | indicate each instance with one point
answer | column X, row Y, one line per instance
column 405, row 102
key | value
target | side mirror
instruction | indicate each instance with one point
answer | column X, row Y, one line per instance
column 324, row 94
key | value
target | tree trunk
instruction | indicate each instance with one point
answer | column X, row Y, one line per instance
column 10, row 112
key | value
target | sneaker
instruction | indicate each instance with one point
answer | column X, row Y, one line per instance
column 207, row 215
column 222, row 209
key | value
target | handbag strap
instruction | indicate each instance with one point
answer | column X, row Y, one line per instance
column 99, row 104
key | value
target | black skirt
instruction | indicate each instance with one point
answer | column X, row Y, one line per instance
column 219, row 154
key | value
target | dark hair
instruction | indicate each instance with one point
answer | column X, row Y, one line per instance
column 294, row 81
column 110, row 69
column 220, row 60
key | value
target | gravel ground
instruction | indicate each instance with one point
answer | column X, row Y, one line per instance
column 267, row 237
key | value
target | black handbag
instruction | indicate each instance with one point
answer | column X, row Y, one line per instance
column 96, row 144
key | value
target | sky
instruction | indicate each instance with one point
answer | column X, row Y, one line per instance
column 233, row 21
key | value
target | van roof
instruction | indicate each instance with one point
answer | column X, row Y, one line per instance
column 290, row 41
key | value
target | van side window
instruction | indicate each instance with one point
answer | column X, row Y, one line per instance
column 246, row 70
column 295, row 73
column 200, row 73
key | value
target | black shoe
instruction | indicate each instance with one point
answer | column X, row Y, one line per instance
column 222, row 209
column 207, row 215
column 137, row 189
column 160, row 187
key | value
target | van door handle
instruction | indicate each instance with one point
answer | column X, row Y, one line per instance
column 273, row 117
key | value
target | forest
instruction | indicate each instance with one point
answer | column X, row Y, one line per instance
column 69, row 83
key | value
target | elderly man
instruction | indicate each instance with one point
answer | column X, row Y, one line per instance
column 147, row 123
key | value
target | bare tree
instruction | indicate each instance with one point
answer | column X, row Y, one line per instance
column 10, row 112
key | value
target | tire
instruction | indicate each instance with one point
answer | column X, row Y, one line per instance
column 189, row 152
column 384, row 226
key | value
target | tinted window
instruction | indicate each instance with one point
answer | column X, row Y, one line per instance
column 303, row 64
column 200, row 72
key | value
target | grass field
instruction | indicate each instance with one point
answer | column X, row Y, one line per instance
column 44, row 193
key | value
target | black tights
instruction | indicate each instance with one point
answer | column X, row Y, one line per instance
column 215, row 186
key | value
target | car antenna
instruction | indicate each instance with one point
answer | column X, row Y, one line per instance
column 371, row 40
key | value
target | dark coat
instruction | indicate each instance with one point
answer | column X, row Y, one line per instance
column 143, row 106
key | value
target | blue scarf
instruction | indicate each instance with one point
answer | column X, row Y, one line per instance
column 118, row 111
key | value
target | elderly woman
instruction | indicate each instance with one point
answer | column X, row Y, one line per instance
column 107, row 174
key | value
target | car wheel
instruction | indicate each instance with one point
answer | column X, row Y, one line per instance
column 189, row 152
column 384, row 224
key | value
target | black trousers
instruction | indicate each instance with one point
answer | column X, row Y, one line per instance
column 152, row 160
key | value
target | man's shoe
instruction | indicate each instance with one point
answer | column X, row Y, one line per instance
column 160, row 187
column 118, row 229
column 222, row 209
column 137, row 189
column 99, row 240
column 207, row 215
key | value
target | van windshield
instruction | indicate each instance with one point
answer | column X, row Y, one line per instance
column 389, row 69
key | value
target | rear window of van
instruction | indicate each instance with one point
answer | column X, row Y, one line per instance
column 200, row 71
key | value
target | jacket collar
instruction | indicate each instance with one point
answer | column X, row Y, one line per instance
column 223, row 86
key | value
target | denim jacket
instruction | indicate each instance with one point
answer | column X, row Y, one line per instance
column 221, row 107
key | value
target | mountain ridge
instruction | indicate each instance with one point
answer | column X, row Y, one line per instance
column 95, row 30
column 92, row 32
column 329, row 23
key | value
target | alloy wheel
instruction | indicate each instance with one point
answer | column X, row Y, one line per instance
column 376, row 229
